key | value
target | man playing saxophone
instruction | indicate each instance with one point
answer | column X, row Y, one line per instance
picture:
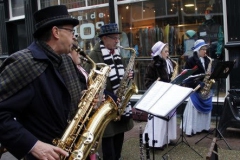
column 197, row 114
column 40, row 88
column 106, row 52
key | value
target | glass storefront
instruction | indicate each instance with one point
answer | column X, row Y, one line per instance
column 90, row 22
column 17, row 8
column 144, row 22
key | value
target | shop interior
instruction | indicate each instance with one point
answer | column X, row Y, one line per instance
column 175, row 22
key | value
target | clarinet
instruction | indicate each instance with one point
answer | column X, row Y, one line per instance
column 147, row 147
column 141, row 143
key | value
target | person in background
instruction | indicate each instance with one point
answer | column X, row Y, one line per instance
column 212, row 33
column 106, row 52
column 197, row 114
column 76, row 57
column 160, row 69
column 40, row 88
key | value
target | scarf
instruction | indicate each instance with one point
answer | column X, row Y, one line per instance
column 113, row 59
column 69, row 73
column 169, row 66
column 202, row 105
column 115, row 62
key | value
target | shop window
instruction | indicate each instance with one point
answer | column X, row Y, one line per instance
column 47, row 3
column 146, row 22
column 16, row 8
column 95, row 2
column 90, row 22
column 73, row 3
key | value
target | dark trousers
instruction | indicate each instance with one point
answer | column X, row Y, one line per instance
column 112, row 147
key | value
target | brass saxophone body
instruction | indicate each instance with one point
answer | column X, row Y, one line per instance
column 83, row 134
column 205, row 91
column 175, row 70
column 127, row 86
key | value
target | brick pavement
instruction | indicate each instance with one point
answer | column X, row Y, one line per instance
column 232, row 137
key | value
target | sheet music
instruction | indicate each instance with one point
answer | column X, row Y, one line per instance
column 151, row 96
column 161, row 98
column 170, row 100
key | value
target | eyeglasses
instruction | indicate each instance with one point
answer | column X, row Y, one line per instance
column 114, row 38
column 68, row 29
column 204, row 49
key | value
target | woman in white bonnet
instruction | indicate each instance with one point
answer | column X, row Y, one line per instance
column 160, row 68
column 197, row 114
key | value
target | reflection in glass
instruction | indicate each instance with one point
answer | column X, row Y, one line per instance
column 47, row 3
column 95, row 2
column 90, row 22
column 73, row 3
column 17, row 7
column 146, row 22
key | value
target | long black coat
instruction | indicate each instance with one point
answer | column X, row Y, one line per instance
column 41, row 107
column 157, row 69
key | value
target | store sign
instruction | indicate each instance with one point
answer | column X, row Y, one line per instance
column 88, row 30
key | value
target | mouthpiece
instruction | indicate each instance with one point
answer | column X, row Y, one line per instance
column 120, row 47
column 85, row 59
column 81, row 52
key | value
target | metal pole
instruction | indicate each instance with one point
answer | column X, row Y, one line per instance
column 112, row 11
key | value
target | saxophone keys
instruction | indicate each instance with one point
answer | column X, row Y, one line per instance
column 77, row 155
column 88, row 137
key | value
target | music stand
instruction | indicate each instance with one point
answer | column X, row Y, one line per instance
column 182, row 137
column 221, row 71
column 157, row 100
column 167, row 119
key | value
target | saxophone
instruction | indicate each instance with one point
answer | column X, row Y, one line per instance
column 205, row 91
column 84, row 132
column 127, row 87
column 175, row 70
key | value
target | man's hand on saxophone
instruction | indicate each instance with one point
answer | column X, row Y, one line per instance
column 131, row 74
column 43, row 150
column 99, row 98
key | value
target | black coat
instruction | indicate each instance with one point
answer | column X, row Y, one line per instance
column 41, row 107
column 195, row 61
column 157, row 69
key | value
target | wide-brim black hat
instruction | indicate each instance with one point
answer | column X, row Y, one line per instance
column 52, row 16
column 108, row 29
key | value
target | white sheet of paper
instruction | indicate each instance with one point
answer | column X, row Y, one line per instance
column 151, row 96
column 170, row 100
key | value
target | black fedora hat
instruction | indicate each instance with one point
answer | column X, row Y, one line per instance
column 107, row 29
column 52, row 16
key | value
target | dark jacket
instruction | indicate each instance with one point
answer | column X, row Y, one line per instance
column 157, row 69
column 195, row 61
column 114, row 127
column 40, row 109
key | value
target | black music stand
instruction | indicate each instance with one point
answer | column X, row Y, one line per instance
column 221, row 71
column 182, row 138
column 186, row 79
column 167, row 119
column 157, row 100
